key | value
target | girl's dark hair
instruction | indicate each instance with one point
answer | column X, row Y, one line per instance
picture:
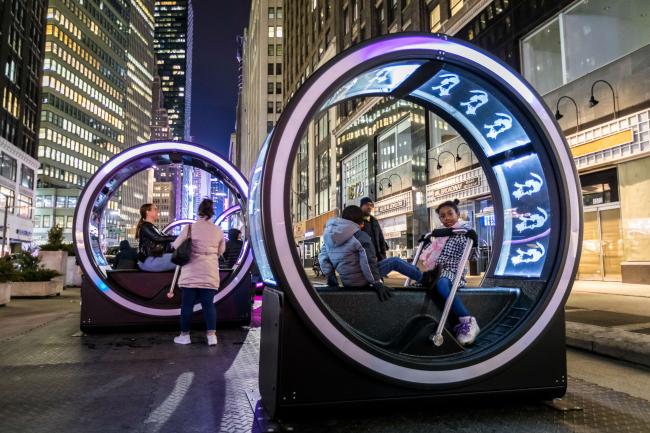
column 143, row 214
column 452, row 204
column 353, row 213
column 206, row 208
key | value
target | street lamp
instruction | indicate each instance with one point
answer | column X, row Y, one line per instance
column 390, row 185
column 559, row 115
column 438, row 166
column 458, row 157
column 593, row 101
column 381, row 181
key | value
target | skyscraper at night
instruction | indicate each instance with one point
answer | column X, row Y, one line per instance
column 98, row 75
column 173, row 47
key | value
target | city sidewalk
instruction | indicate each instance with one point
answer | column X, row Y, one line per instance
column 611, row 319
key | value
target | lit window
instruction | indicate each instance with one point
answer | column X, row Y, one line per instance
column 434, row 19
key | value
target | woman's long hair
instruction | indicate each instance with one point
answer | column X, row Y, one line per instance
column 206, row 209
column 143, row 214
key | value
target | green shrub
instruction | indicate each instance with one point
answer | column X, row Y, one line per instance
column 7, row 270
column 24, row 266
column 55, row 241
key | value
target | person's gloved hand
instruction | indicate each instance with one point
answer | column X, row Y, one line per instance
column 332, row 281
column 383, row 292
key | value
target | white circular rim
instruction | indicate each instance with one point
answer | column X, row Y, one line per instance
column 103, row 175
column 281, row 166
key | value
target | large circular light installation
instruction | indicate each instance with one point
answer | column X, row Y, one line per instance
column 104, row 184
column 522, row 151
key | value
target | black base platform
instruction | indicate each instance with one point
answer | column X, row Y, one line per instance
column 299, row 372
column 99, row 313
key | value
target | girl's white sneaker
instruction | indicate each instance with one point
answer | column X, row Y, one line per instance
column 466, row 330
column 183, row 339
column 212, row 340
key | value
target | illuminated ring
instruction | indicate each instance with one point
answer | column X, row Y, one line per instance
column 177, row 223
column 220, row 218
column 98, row 182
column 278, row 167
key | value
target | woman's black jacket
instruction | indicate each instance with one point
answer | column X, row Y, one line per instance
column 153, row 242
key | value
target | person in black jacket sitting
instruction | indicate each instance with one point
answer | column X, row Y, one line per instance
column 154, row 250
column 127, row 257
column 233, row 248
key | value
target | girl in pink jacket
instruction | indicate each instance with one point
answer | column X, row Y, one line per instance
column 199, row 279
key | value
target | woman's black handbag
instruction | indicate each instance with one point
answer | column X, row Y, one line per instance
column 181, row 255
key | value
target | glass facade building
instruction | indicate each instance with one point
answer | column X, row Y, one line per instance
column 98, row 75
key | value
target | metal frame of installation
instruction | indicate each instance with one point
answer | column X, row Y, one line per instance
column 326, row 347
column 126, row 298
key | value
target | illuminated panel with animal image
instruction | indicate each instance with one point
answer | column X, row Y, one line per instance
column 527, row 222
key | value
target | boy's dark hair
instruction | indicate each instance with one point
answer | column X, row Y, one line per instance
column 353, row 213
column 449, row 203
column 206, row 208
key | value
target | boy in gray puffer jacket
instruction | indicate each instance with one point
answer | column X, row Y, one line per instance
column 349, row 251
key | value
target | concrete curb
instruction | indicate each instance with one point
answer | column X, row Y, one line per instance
column 617, row 343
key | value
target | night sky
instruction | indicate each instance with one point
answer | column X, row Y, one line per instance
column 214, row 77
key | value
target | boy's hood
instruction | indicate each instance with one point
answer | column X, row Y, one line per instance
column 338, row 231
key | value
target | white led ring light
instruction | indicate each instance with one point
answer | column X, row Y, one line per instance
column 108, row 170
column 274, row 180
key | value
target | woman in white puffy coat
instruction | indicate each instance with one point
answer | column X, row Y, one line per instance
column 199, row 279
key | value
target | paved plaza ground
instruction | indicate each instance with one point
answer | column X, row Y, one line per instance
column 57, row 380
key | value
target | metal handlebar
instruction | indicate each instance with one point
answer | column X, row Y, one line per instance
column 438, row 338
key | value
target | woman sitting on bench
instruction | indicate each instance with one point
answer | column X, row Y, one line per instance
column 154, row 250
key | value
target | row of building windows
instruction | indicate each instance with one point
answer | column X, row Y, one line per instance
column 274, row 69
column 45, row 221
column 276, row 13
column 69, row 143
column 84, row 118
column 270, row 105
column 69, row 59
column 272, row 88
column 22, row 208
column 66, row 159
column 11, row 102
column 114, row 27
column 79, row 83
column 275, row 50
column 81, row 100
column 60, row 174
column 61, row 201
column 275, row 31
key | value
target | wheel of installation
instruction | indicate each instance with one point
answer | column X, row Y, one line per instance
column 128, row 298
column 325, row 346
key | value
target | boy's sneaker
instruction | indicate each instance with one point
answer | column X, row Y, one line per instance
column 183, row 339
column 212, row 340
column 466, row 330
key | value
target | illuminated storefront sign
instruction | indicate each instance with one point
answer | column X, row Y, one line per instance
column 466, row 184
column 461, row 186
column 395, row 205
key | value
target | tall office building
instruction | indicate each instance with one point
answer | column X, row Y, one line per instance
column 167, row 186
column 173, row 48
column 138, row 106
column 262, row 90
column 22, row 26
column 98, row 74
column 83, row 107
